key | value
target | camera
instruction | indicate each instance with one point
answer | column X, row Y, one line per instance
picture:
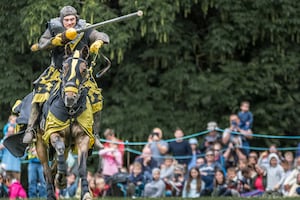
column 234, row 123
column 155, row 134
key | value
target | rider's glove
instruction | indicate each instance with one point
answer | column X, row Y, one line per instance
column 35, row 47
column 57, row 40
column 94, row 48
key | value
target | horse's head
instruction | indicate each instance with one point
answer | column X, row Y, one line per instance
column 75, row 73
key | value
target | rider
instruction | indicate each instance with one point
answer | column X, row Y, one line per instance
column 55, row 38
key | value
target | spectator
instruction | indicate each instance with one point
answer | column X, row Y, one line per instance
column 232, row 182
column 219, row 158
column 71, row 188
column 292, row 178
column 287, row 171
column 178, row 181
column 212, row 137
column 252, row 158
column 208, row 172
column 111, row 160
column 289, row 157
column 109, row 135
column 36, row 180
column 98, row 186
column 167, row 169
column 158, row 146
column 275, row 174
column 11, row 163
column 180, row 148
column 15, row 188
column 295, row 188
column 195, row 152
column 200, row 161
column 194, row 184
column 147, row 162
column 245, row 116
column 156, row 188
column 220, row 186
column 236, row 139
column 3, row 188
column 136, row 181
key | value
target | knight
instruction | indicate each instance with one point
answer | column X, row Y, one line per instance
column 60, row 32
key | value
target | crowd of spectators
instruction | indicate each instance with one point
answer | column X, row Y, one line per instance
column 217, row 164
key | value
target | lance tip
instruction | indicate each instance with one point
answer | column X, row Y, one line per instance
column 139, row 13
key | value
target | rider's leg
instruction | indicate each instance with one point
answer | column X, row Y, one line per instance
column 96, row 130
column 30, row 131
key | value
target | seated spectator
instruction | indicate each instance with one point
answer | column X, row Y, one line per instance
column 292, row 178
column 3, row 188
column 111, row 160
column 212, row 137
column 136, row 181
column 295, row 188
column 148, row 163
column 220, row 186
column 180, row 148
column 15, row 189
column 287, row 171
column 195, row 152
column 200, row 161
column 289, row 157
column 178, row 181
column 208, row 172
column 253, row 158
column 156, row 188
column 232, row 182
column 236, row 139
column 193, row 185
column 167, row 169
column 98, row 187
column 71, row 188
column 219, row 158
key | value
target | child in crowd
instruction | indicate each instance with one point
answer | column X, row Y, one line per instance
column 246, row 117
column 156, row 188
column 71, row 188
column 3, row 188
column 232, row 182
column 15, row 189
column 275, row 175
column 194, row 185
column 98, row 186
column 136, row 181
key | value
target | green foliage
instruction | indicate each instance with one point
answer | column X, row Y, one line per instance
column 182, row 64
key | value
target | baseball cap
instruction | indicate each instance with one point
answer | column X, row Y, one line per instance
column 212, row 126
column 193, row 141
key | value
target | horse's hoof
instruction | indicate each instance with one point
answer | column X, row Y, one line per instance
column 60, row 181
column 87, row 196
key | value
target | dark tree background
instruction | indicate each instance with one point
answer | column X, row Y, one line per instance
column 184, row 63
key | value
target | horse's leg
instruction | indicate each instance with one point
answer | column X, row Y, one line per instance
column 59, row 146
column 82, row 143
column 42, row 153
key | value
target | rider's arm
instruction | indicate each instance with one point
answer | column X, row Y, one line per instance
column 96, row 35
column 45, row 41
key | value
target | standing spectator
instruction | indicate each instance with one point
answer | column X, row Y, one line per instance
column 237, row 139
column 109, row 135
column 11, row 163
column 180, row 148
column 195, row 152
column 194, row 184
column 275, row 174
column 36, row 180
column 15, row 188
column 158, row 146
column 111, row 160
column 212, row 137
column 245, row 115
column 156, row 188
column 147, row 162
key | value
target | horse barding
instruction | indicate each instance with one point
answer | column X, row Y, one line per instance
column 66, row 124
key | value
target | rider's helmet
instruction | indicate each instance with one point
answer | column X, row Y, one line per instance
column 68, row 10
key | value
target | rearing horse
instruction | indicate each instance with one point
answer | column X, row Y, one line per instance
column 68, row 122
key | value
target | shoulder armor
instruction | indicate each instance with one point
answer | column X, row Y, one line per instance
column 81, row 24
column 55, row 26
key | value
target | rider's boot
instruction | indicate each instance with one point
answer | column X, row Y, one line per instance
column 96, row 129
column 30, row 130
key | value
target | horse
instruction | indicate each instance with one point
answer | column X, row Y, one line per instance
column 67, row 124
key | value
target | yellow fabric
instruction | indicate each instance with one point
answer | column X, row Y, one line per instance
column 94, row 48
column 71, row 89
column 74, row 43
column 94, row 93
column 34, row 47
column 85, row 120
column 57, row 40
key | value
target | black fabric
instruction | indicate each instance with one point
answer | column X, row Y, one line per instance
column 15, row 145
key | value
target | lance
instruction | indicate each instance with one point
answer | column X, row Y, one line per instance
column 117, row 19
